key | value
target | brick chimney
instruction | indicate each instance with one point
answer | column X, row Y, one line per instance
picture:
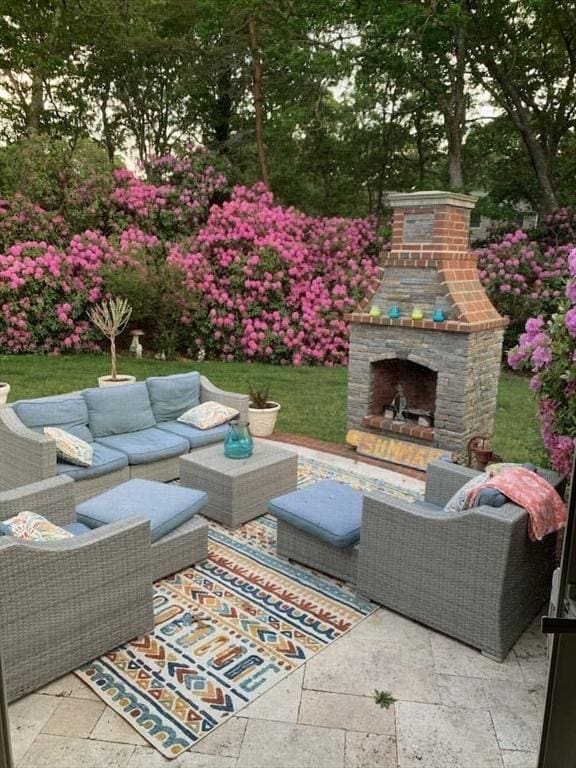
column 448, row 370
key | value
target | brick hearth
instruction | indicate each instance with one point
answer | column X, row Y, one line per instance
column 450, row 368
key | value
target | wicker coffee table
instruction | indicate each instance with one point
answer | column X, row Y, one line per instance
column 239, row 489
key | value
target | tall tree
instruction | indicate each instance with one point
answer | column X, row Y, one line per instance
column 525, row 56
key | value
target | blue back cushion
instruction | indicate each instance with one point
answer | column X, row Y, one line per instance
column 490, row 497
column 68, row 413
column 116, row 410
column 171, row 396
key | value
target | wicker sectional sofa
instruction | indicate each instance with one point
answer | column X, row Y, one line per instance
column 133, row 430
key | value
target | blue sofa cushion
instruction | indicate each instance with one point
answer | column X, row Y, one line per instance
column 68, row 413
column 117, row 410
column 104, row 460
column 329, row 510
column 77, row 529
column 490, row 497
column 171, row 396
column 195, row 437
column 165, row 506
column 146, row 445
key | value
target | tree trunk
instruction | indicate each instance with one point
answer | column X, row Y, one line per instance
column 541, row 164
column 455, row 174
column 419, row 128
column 36, row 104
column 258, row 102
column 106, row 127
column 222, row 113
column 455, row 115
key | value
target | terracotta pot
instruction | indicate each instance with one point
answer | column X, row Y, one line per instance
column 263, row 420
column 4, row 392
column 120, row 381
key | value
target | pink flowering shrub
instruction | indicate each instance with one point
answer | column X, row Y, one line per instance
column 22, row 220
column 558, row 228
column 548, row 349
column 45, row 291
column 174, row 197
column 243, row 278
column 276, row 283
column 523, row 277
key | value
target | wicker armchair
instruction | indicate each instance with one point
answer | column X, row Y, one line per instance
column 64, row 603
column 475, row 576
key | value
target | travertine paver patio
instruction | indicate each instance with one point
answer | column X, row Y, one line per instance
column 455, row 709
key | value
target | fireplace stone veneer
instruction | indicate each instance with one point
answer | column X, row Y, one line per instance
column 450, row 368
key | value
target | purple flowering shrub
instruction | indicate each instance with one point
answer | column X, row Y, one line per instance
column 523, row 277
column 548, row 349
column 275, row 282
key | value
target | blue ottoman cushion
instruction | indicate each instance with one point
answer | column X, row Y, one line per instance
column 329, row 510
column 165, row 506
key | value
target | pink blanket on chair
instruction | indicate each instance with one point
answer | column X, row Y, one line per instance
column 546, row 510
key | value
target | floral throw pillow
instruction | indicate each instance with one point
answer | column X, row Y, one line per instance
column 33, row 527
column 70, row 448
column 207, row 415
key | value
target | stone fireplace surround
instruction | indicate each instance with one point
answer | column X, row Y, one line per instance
column 450, row 368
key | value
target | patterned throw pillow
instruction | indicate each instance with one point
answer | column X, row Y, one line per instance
column 70, row 448
column 458, row 502
column 208, row 414
column 33, row 527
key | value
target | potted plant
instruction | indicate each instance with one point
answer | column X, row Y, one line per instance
column 263, row 412
column 4, row 392
column 111, row 318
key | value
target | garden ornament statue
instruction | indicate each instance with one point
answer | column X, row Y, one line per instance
column 399, row 403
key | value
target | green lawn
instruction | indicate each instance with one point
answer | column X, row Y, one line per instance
column 313, row 399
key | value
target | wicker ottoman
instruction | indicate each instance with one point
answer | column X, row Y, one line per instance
column 239, row 489
column 179, row 536
column 319, row 526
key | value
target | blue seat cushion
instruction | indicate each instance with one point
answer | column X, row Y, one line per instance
column 146, row 445
column 329, row 510
column 77, row 529
column 195, row 437
column 165, row 506
column 117, row 410
column 171, row 396
column 67, row 412
column 104, row 460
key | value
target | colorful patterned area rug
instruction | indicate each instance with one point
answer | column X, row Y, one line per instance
column 227, row 630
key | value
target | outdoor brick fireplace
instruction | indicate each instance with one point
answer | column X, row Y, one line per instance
column 442, row 376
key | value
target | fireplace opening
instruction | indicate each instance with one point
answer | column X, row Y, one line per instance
column 402, row 398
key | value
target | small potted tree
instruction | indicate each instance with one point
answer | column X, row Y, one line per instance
column 263, row 412
column 111, row 318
